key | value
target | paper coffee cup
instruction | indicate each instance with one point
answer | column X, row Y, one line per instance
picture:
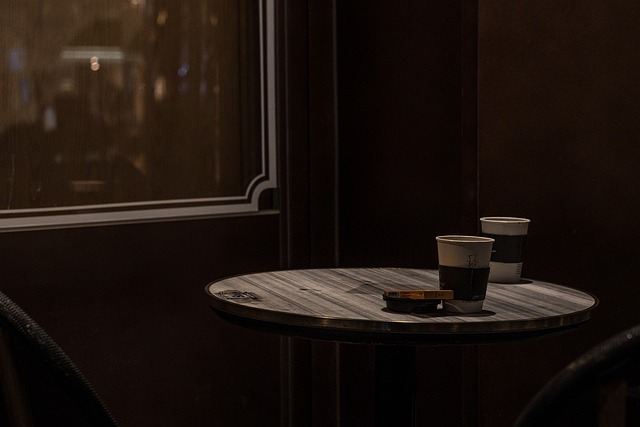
column 510, row 235
column 463, row 264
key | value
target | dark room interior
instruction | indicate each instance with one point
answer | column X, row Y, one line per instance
column 396, row 122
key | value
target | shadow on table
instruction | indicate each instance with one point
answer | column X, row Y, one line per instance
column 521, row 282
column 442, row 313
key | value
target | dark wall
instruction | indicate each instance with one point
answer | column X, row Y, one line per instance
column 127, row 304
column 401, row 133
column 559, row 143
column 407, row 172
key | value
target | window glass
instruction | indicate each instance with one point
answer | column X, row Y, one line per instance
column 117, row 109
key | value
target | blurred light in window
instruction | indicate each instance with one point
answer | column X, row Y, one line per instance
column 95, row 64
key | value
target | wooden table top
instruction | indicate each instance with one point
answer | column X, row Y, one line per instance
column 347, row 305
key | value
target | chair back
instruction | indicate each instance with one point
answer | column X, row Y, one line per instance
column 40, row 384
column 599, row 388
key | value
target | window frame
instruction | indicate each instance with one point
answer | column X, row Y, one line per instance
column 86, row 215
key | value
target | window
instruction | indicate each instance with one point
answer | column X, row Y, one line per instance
column 117, row 110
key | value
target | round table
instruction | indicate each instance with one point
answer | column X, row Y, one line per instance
column 346, row 305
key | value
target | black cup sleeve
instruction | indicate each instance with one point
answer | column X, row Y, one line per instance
column 507, row 249
column 469, row 284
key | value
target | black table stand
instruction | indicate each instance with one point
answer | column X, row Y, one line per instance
column 395, row 385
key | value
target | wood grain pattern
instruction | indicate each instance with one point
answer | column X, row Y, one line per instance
column 351, row 300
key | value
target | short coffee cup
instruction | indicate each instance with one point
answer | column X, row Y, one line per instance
column 463, row 266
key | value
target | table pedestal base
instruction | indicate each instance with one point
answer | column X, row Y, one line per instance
column 395, row 385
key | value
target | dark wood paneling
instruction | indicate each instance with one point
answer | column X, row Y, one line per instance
column 559, row 132
column 128, row 305
column 401, row 126
column 323, row 133
column 293, row 126
column 407, row 170
column 309, row 221
column 309, row 132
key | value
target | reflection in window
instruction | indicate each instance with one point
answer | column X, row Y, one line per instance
column 130, row 103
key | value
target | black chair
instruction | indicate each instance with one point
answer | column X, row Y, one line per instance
column 599, row 388
column 41, row 386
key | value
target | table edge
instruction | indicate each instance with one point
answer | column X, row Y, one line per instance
column 363, row 327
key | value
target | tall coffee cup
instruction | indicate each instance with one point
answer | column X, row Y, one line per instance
column 510, row 235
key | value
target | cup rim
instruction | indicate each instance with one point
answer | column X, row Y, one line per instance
column 505, row 219
column 459, row 238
